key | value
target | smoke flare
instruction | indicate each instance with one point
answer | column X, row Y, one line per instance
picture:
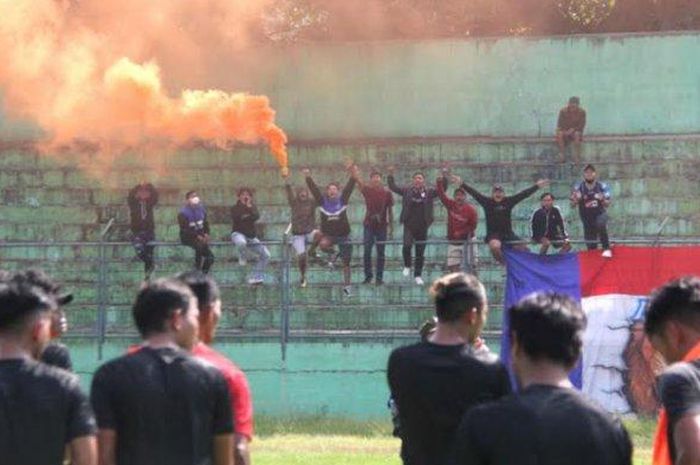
column 86, row 70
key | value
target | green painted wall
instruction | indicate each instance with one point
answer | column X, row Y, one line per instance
column 322, row 378
column 630, row 84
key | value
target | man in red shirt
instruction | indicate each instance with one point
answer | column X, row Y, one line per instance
column 209, row 299
column 461, row 225
column 379, row 222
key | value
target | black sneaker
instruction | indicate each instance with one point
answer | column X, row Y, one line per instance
column 379, row 282
column 368, row 280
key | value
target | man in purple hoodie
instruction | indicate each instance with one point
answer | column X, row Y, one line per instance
column 335, row 228
column 194, row 231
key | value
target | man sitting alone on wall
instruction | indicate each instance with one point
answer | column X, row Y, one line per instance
column 570, row 126
column 548, row 227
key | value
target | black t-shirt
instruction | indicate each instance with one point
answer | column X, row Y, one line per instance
column 165, row 406
column 542, row 425
column 57, row 355
column 42, row 409
column 433, row 385
column 679, row 390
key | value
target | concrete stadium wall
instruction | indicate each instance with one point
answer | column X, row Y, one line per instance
column 383, row 98
column 629, row 84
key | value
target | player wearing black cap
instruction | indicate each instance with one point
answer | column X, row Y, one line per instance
column 55, row 353
column 497, row 209
column 43, row 412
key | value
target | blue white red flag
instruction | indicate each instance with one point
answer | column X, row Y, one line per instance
column 618, row 366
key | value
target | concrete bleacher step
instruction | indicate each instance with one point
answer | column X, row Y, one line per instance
column 52, row 199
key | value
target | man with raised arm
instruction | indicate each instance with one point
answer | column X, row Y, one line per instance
column 416, row 217
column 461, row 225
column 498, row 209
column 378, row 223
column 335, row 228
column 304, row 230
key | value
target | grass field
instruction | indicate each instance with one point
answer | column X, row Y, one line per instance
column 326, row 441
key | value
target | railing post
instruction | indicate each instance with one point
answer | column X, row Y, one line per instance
column 285, row 294
column 102, row 292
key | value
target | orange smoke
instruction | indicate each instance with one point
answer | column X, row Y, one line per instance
column 87, row 70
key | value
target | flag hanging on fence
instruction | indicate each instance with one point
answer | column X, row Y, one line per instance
column 618, row 366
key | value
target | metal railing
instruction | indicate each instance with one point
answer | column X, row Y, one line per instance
column 103, row 257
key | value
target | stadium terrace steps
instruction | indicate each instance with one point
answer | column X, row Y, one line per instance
column 53, row 199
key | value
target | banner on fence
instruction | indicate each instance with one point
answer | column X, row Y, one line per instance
column 618, row 366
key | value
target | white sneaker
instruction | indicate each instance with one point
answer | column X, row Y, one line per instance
column 242, row 261
column 406, row 272
column 419, row 281
column 347, row 291
column 256, row 280
column 606, row 253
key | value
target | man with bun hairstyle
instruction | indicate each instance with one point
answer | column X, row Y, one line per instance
column 547, row 422
column 435, row 381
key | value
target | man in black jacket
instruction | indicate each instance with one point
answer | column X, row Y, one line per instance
column 244, row 236
column 434, row 382
column 142, row 198
column 194, row 231
column 497, row 209
column 548, row 226
column 335, row 228
column 547, row 422
column 416, row 217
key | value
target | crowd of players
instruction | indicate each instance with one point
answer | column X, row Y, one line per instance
column 174, row 400
column 170, row 400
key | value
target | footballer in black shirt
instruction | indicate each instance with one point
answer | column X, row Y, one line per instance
column 43, row 412
column 548, row 422
column 434, row 382
column 160, row 405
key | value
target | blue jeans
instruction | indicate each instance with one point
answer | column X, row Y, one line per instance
column 371, row 236
column 254, row 246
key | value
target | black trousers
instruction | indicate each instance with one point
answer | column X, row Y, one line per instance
column 203, row 256
column 411, row 235
column 596, row 227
